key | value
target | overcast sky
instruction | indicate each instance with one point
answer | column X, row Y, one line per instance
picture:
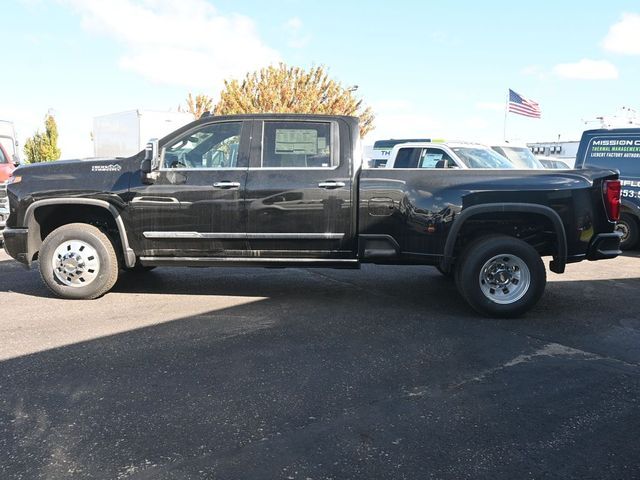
column 428, row 68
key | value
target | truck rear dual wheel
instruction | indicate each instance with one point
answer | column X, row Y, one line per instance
column 501, row 276
column 628, row 226
column 78, row 261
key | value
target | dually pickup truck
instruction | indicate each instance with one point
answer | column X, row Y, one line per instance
column 288, row 190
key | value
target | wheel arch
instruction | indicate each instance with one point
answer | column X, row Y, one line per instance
column 560, row 255
column 631, row 208
column 34, row 239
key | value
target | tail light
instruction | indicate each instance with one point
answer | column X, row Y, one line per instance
column 611, row 193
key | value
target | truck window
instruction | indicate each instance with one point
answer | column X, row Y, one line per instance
column 435, row 158
column 408, row 157
column 211, row 146
column 3, row 159
column 617, row 152
column 297, row 145
column 475, row 157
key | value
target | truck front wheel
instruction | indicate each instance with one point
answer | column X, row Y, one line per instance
column 78, row 261
column 501, row 276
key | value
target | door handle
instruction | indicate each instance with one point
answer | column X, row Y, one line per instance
column 227, row 185
column 331, row 184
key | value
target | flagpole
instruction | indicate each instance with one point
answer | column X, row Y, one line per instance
column 506, row 111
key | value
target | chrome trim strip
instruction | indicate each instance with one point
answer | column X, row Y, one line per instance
column 247, row 260
column 296, row 236
column 244, row 236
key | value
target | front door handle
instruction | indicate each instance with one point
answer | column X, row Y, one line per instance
column 331, row 184
column 227, row 185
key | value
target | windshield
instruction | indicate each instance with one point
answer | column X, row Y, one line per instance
column 476, row 157
column 521, row 157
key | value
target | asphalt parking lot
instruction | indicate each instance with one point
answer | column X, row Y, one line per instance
column 382, row 373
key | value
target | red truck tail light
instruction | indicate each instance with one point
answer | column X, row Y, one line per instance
column 612, row 190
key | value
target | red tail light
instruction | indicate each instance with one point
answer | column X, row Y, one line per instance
column 611, row 192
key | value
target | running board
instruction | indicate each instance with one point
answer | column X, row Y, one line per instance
column 249, row 262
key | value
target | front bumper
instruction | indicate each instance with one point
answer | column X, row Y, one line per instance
column 604, row 245
column 15, row 244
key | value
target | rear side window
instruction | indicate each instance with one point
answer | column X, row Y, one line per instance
column 297, row 145
column 435, row 158
column 621, row 152
column 407, row 158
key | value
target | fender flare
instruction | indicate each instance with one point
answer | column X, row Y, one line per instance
column 559, row 259
column 33, row 227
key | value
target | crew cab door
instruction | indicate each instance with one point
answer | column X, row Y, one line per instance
column 299, row 190
column 195, row 205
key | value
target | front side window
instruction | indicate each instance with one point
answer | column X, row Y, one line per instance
column 3, row 159
column 297, row 145
column 212, row 146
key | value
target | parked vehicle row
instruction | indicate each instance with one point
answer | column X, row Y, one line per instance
column 519, row 156
column 288, row 190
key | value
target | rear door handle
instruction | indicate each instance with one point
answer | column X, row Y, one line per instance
column 331, row 184
column 227, row 185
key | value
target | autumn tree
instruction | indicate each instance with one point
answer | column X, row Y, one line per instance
column 284, row 89
column 197, row 105
column 43, row 147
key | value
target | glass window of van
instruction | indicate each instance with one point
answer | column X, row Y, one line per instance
column 615, row 152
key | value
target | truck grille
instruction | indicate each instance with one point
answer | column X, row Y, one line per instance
column 4, row 204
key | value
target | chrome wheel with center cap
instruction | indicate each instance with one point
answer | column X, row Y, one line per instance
column 500, row 275
column 78, row 261
column 75, row 263
column 505, row 279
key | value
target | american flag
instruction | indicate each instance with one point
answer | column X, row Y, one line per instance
column 520, row 105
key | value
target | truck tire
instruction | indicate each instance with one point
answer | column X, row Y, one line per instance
column 78, row 261
column 628, row 226
column 501, row 276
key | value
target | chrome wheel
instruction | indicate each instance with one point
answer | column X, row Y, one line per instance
column 505, row 279
column 75, row 263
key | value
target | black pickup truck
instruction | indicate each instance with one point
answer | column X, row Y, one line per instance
column 289, row 190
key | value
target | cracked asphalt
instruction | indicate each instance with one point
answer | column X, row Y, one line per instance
column 381, row 373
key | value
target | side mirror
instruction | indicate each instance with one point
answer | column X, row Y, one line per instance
column 151, row 161
column 16, row 160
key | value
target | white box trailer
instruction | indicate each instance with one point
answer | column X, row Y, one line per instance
column 126, row 133
column 9, row 140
